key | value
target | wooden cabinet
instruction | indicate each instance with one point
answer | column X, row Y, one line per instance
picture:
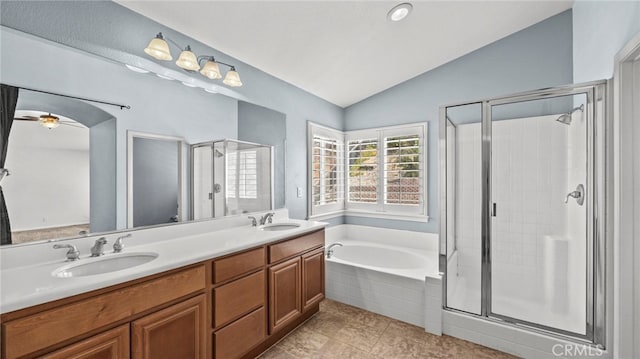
column 284, row 293
column 41, row 330
column 178, row 331
column 297, row 284
column 235, row 306
column 312, row 278
column 112, row 344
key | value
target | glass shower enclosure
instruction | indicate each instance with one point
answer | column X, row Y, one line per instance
column 522, row 210
column 230, row 177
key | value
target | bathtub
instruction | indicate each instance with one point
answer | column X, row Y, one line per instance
column 386, row 271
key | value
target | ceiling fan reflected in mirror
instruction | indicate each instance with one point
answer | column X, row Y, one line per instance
column 49, row 121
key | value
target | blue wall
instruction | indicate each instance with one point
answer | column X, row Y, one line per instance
column 600, row 30
column 539, row 56
column 107, row 35
column 536, row 57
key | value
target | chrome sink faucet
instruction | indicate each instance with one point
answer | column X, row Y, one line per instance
column 330, row 248
column 98, row 248
column 73, row 254
column 254, row 222
column 118, row 246
column 267, row 217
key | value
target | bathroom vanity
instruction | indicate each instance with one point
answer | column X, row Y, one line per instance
column 229, row 306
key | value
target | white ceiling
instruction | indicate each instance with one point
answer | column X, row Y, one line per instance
column 346, row 51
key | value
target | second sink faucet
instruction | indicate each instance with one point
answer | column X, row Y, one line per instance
column 267, row 217
column 118, row 246
column 263, row 220
column 98, row 248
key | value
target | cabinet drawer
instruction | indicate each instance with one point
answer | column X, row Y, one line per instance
column 295, row 246
column 236, row 265
column 42, row 330
column 235, row 299
column 238, row 337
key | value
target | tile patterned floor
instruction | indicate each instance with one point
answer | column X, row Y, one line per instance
column 340, row 331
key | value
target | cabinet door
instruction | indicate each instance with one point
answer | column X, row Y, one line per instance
column 285, row 302
column 112, row 344
column 175, row 332
column 312, row 278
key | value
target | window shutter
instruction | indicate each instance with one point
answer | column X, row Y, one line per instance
column 363, row 171
column 403, row 170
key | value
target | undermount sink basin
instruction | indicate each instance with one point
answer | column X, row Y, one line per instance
column 280, row 226
column 102, row 265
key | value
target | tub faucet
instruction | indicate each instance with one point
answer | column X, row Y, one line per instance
column 330, row 248
column 266, row 217
column 118, row 246
column 98, row 248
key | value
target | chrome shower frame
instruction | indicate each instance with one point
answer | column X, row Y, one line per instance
column 211, row 144
column 598, row 132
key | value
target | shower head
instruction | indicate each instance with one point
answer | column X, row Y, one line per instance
column 218, row 153
column 566, row 117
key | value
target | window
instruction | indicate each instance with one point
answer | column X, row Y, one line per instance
column 326, row 177
column 385, row 171
column 242, row 175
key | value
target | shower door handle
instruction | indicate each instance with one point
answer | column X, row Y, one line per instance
column 494, row 211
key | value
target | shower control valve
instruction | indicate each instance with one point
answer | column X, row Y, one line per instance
column 578, row 194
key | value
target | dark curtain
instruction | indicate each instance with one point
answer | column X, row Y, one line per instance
column 8, row 101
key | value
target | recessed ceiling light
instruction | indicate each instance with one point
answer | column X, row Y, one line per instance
column 399, row 12
column 136, row 69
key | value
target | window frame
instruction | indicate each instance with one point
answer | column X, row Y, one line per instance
column 419, row 210
column 379, row 209
column 313, row 130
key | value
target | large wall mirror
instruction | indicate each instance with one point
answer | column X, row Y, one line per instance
column 69, row 177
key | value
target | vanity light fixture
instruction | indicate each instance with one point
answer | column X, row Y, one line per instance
column 158, row 48
column 211, row 69
column 233, row 78
column 399, row 12
column 188, row 60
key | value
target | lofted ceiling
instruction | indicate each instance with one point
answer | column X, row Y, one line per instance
column 346, row 51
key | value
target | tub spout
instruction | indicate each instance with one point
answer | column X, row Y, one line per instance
column 330, row 248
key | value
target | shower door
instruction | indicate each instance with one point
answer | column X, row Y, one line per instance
column 522, row 228
column 541, row 194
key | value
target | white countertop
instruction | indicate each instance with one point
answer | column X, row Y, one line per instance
column 28, row 285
